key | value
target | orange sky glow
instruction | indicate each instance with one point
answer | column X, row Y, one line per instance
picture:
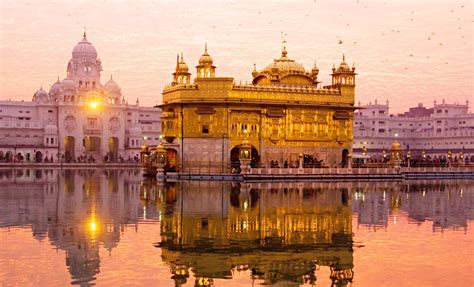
column 407, row 52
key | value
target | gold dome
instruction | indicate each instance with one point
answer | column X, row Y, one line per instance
column 205, row 58
column 284, row 65
column 315, row 69
column 182, row 66
column 343, row 66
column 396, row 146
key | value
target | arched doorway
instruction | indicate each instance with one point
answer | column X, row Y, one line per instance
column 92, row 147
column 113, row 149
column 345, row 157
column 69, row 144
column 38, row 156
column 234, row 157
column 171, row 159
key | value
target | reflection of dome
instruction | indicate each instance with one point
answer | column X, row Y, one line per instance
column 84, row 50
column 55, row 88
column 41, row 96
column 111, row 85
column 50, row 129
column 68, row 84
column 284, row 65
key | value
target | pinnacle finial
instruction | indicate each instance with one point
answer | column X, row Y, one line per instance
column 254, row 66
column 181, row 56
column 58, row 78
column 111, row 77
column 343, row 57
column 205, row 47
column 283, row 41
column 84, row 33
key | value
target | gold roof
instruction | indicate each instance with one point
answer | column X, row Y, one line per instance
column 205, row 58
column 284, row 65
column 343, row 66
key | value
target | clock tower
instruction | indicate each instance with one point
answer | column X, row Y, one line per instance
column 84, row 67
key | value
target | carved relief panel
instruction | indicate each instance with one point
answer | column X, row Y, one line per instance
column 70, row 124
column 114, row 125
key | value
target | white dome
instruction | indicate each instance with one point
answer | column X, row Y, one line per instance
column 112, row 86
column 84, row 50
column 41, row 96
column 55, row 88
column 68, row 84
column 50, row 129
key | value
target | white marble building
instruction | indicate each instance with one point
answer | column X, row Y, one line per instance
column 78, row 117
column 436, row 131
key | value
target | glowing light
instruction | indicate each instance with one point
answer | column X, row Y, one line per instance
column 93, row 226
column 93, row 105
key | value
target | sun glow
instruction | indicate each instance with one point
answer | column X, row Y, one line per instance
column 93, row 105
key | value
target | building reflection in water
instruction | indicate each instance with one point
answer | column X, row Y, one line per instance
column 448, row 204
column 276, row 233
column 77, row 210
column 279, row 233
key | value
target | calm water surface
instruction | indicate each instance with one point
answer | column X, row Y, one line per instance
column 108, row 227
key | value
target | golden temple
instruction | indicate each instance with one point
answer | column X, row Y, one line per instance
column 283, row 114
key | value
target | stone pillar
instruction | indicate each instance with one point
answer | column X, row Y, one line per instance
column 300, row 166
column 349, row 163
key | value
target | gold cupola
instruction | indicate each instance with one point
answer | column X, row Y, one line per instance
column 205, row 69
column 181, row 74
column 283, row 71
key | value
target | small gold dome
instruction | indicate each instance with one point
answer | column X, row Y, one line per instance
column 343, row 66
column 205, row 58
column 182, row 66
column 315, row 69
column 396, row 146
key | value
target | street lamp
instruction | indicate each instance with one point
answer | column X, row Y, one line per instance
column 450, row 154
column 408, row 158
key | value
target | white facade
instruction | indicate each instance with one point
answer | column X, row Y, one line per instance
column 78, row 119
column 437, row 130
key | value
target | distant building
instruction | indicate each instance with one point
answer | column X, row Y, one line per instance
column 283, row 113
column 432, row 131
column 78, row 117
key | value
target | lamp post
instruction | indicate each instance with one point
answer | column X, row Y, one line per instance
column 461, row 157
column 245, row 154
column 160, row 161
column 408, row 158
column 450, row 154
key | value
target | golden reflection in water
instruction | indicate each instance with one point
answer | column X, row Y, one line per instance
column 280, row 234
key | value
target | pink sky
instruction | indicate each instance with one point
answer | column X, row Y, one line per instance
column 405, row 51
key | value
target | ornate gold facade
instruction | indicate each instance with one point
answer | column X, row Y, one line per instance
column 283, row 113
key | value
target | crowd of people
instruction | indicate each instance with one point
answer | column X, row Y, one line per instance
column 10, row 157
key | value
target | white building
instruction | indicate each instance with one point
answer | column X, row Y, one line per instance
column 78, row 117
column 436, row 131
